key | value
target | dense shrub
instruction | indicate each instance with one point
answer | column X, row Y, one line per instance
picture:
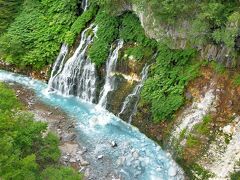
column 53, row 173
column 8, row 11
column 107, row 32
column 80, row 24
column 132, row 31
column 164, row 88
column 33, row 39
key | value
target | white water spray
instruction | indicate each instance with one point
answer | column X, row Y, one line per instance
column 129, row 100
column 78, row 76
column 58, row 65
column 85, row 5
column 109, row 79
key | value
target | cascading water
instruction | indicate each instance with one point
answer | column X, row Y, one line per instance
column 84, row 5
column 135, row 156
column 109, row 79
column 58, row 65
column 78, row 76
column 130, row 103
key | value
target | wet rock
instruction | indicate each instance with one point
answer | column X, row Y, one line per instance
column 84, row 163
column 188, row 95
column 159, row 169
column 72, row 160
column 100, row 157
column 135, row 155
column 70, row 126
column 137, row 173
column 80, row 152
column 230, row 103
column 81, row 169
column 87, row 172
column 84, row 149
column 113, row 144
column 68, row 137
column 65, row 158
column 172, row 171
column 229, row 130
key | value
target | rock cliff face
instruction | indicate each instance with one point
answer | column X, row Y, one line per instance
column 177, row 36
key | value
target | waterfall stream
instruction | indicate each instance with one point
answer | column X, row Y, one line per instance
column 131, row 101
column 109, row 79
column 58, row 65
column 78, row 76
column 84, row 4
column 135, row 156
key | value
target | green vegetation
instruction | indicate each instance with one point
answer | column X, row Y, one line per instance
column 80, row 24
column 130, row 31
column 236, row 80
column 167, row 11
column 201, row 173
column 164, row 89
column 133, row 33
column 139, row 52
column 192, row 141
column 110, row 6
column 217, row 21
column 24, row 152
column 107, row 32
column 235, row 176
column 8, row 11
column 218, row 68
column 53, row 173
column 34, row 38
column 182, row 134
column 203, row 128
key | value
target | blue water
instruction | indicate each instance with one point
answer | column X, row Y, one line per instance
column 135, row 157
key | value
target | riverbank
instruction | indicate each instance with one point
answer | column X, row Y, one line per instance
column 72, row 153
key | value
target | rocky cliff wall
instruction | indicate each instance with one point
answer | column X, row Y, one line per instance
column 180, row 35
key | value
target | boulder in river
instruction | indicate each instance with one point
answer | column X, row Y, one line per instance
column 100, row 157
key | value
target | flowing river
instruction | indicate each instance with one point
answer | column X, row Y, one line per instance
column 134, row 157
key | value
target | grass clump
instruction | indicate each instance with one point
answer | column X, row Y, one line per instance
column 192, row 141
column 236, row 80
column 182, row 134
column 218, row 68
column 203, row 128
column 202, row 173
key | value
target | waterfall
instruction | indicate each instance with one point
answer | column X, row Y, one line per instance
column 84, row 4
column 131, row 101
column 58, row 65
column 109, row 79
column 78, row 75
